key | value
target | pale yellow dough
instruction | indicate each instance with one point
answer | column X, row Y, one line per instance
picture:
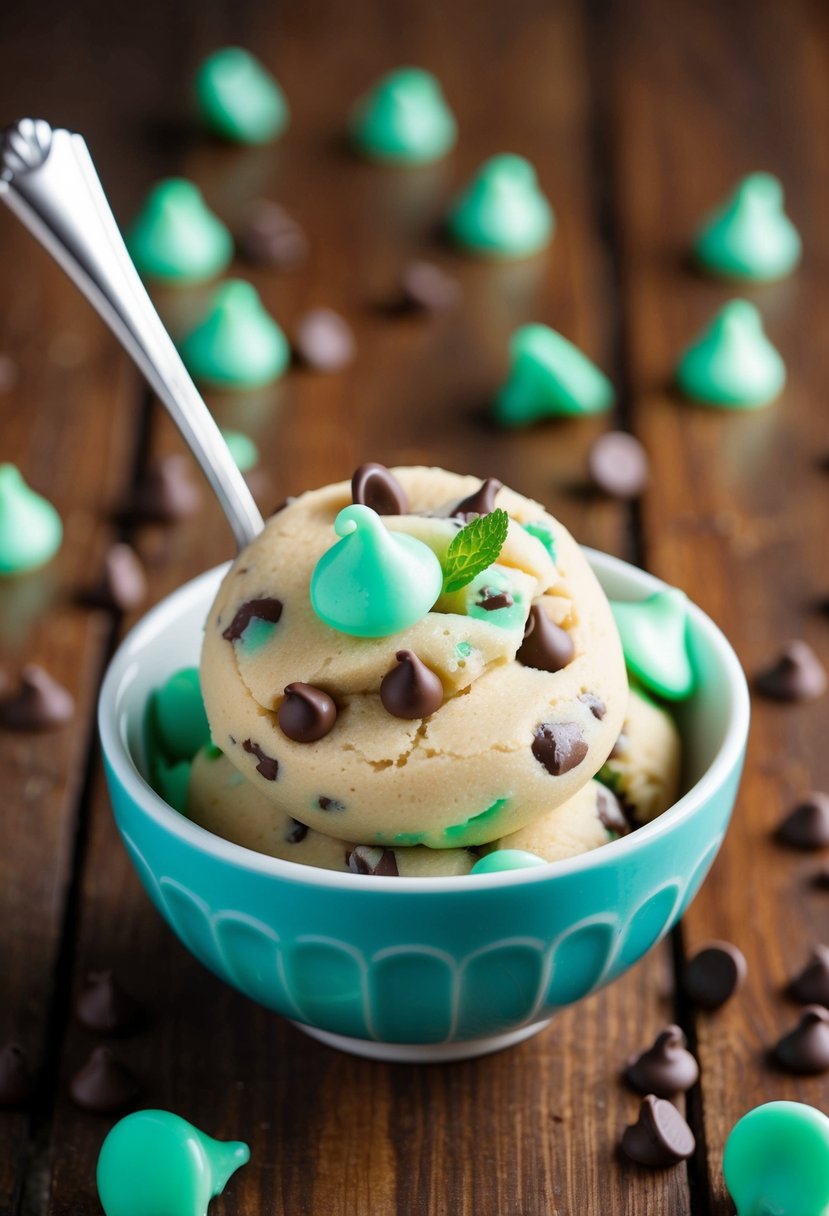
column 465, row 775
column 643, row 770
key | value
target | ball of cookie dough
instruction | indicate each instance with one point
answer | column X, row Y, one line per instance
column 511, row 739
column 643, row 770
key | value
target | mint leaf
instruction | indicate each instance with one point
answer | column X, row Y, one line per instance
column 475, row 547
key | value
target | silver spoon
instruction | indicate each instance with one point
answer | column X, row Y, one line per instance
column 48, row 180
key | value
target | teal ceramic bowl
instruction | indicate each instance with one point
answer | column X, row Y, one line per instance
column 420, row 968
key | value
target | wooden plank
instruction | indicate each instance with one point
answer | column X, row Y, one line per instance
column 701, row 97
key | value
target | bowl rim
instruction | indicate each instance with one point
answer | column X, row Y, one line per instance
column 119, row 757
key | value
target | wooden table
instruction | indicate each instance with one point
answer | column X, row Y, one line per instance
column 638, row 117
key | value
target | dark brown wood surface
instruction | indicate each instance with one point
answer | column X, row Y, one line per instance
column 638, row 117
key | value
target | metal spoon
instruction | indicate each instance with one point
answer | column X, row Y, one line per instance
column 48, row 180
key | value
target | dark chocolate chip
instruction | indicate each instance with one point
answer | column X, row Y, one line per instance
column 124, row 582
column 559, row 746
column 363, row 859
column 821, row 879
column 168, row 492
column 329, row 804
column 666, row 1068
column 546, row 646
column 40, row 703
column 324, row 340
column 805, row 1049
column 296, row 832
column 267, row 609
column 103, row 1006
column 410, row 690
column 595, row 704
column 811, row 987
column 479, row 503
column 807, row 825
column 9, row 374
column 374, row 486
column 797, row 675
column 103, row 1084
column 611, row 815
column 269, row 236
column 660, row 1136
column 425, row 287
column 491, row 600
column 714, row 974
column 307, row 713
column 267, row 766
column 618, row 465
column 15, row 1077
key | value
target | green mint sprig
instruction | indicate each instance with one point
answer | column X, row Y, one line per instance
column 475, row 547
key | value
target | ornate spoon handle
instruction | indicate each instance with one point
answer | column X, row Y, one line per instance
column 48, row 180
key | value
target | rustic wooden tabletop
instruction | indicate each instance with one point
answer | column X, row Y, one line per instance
column 639, row 116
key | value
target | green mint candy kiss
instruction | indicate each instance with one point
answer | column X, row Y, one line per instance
column 776, row 1161
column 502, row 212
column 237, row 344
column 500, row 860
column 30, row 527
column 549, row 377
column 176, row 238
column 373, row 582
column 732, row 364
column 238, row 99
column 750, row 237
column 654, row 636
column 178, row 715
column 154, row 1163
column 404, row 119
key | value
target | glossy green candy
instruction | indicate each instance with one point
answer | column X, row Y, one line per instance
column 654, row 640
column 502, row 213
column 238, row 99
column 178, row 715
column 549, row 377
column 171, row 782
column 776, row 1161
column 750, row 236
column 243, row 450
column 732, row 364
column 237, row 344
column 176, row 238
column 404, row 118
column 30, row 527
column 373, row 582
column 506, row 859
column 154, row 1163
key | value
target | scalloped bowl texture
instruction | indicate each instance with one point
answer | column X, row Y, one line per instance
column 421, row 968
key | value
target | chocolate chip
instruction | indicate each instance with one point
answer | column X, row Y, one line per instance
column 807, row 825
column 329, row 804
column 805, row 1049
column 269, row 236
column 811, row 987
column 363, row 859
column 267, row 766
column 714, row 974
column 103, row 1084
column 491, row 600
column 618, row 465
column 479, row 503
column 9, row 374
column 324, row 340
column 595, row 704
column 546, row 646
column 40, row 703
column 611, row 815
column 104, row 1007
column 660, row 1136
column 296, row 832
column 821, row 879
column 267, row 609
column 15, row 1077
column 374, row 486
column 410, row 690
column 426, row 288
column 307, row 713
column 666, row 1068
column 797, row 675
column 124, row 582
column 559, row 746
column 167, row 492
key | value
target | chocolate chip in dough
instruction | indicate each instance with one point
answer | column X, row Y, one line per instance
column 39, row 703
column 363, row 859
column 610, row 813
column 375, row 486
column 296, row 832
column 480, row 502
column 714, row 974
column 546, row 646
column 411, row 690
column 660, row 1137
column 796, row 675
column 268, row 767
column 307, row 713
column 595, row 704
column 665, row 1068
column 559, row 746
column 267, row 609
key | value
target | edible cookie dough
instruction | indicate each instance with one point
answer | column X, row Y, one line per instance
column 643, row 769
column 515, row 735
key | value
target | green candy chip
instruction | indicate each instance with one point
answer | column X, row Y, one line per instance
column 238, row 99
column 654, row 640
